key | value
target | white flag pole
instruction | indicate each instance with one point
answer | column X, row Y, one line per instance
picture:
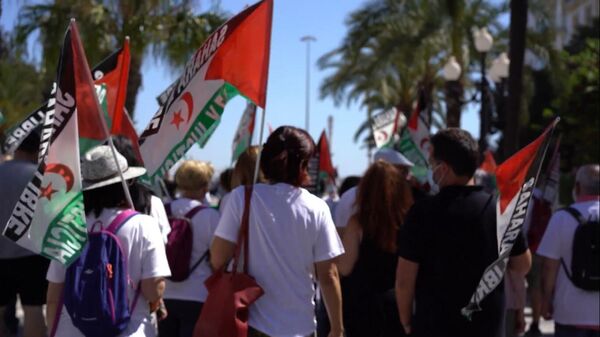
column 260, row 146
column 112, row 145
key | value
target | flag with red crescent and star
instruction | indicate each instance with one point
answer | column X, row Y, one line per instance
column 414, row 143
column 233, row 60
column 49, row 217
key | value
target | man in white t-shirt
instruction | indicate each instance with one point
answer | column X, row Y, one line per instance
column 139, row 237
column 345, row 207
column 576, row 312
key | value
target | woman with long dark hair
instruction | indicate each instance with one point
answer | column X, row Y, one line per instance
column 369, row 265
column 291, row 235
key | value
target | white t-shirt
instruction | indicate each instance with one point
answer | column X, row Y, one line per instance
column 289, row 230
column 204, row 224
column 572, row 306
column 142, row 242
column 223, row 202
column 157, row 211
column 345, row 207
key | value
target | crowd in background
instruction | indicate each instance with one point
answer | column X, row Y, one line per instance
column 377, row 257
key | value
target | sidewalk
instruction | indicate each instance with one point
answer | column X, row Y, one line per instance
column 547, row 327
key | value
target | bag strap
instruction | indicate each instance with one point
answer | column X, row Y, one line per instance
column 579, row 218
column 243, row 233
column 204, row 256
column 191, row 213
column 168, row 209
column 575, row 213
column 120, row 220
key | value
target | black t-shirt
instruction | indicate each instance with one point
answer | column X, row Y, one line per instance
column 452, row 236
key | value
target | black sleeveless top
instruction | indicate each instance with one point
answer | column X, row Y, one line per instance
column 368, row 294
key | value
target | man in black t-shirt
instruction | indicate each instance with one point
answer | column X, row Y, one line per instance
column 445, row 245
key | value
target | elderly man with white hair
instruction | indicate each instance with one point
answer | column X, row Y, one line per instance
column 571, row 272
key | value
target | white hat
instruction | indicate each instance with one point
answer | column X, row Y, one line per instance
column 98, row 168
column 392, row 157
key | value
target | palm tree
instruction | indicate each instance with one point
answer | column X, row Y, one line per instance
column 166, row 30
column 20, row 88
column 395, row 48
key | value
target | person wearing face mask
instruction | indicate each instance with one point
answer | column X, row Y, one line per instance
column 446, row 243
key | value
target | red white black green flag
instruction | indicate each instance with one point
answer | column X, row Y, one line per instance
column 245, row 130
column 110, row 77
column 233, row 60
column 516, row 178
column 49, row 217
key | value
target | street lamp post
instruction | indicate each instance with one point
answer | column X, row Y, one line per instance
column 483, row 44
column 308, row 39
column 454, row 89
column 499, row 74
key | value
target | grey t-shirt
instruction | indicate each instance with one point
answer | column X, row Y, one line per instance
column 14, row 176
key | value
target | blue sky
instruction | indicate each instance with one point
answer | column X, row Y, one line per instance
column 286, row 90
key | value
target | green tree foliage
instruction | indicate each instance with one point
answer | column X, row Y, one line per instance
column 166, row 30
column 20, row 87
column 570, row 89
column 393, row 49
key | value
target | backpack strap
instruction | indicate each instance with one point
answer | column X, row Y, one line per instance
column 168, row 209
column 120, row 219
column 579, row 218
column 189, row 215
column 575, row 213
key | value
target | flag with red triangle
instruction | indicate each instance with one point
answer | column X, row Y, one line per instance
column 110, row 77
column 233, row 60
column 49, row 217
column 489, row 163
column 326, row 169
column 516, row 178
column 414, row 143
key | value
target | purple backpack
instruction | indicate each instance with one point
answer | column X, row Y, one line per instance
column 179, row 244
column 96, row 283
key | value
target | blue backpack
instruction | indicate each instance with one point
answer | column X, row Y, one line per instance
column 96, row 283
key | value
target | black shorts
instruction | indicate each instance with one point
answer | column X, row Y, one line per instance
column 25, row 276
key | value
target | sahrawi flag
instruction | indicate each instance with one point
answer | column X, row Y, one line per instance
column 110, row 77
column 516, row 178
column 49, row 217
column 233, row 60
column 243, row 135
column 384, row 126
column 414, row 143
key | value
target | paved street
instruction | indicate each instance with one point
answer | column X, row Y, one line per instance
column 547, row 327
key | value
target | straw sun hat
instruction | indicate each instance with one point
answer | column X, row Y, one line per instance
column 98, row 168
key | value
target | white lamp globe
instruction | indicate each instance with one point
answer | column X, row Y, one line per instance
column 483, row 40
column 452, row 69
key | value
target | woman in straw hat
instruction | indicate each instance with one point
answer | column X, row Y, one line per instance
column 139, row 238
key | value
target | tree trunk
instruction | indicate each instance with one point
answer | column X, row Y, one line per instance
column 454, row 94
column 454, row 89
column 518, row 29
column 134, row 85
